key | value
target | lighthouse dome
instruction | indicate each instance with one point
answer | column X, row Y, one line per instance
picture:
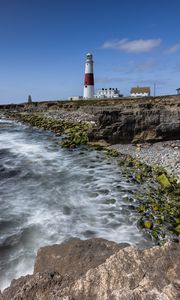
column 89, row 55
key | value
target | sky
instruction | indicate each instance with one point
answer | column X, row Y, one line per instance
column 43, row 45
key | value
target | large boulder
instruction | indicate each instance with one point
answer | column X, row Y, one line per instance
column 75, row 257
column 105, row 270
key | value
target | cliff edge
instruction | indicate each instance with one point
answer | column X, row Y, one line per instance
column 124, row 120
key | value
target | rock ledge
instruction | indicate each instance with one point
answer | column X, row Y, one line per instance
column 100, row 269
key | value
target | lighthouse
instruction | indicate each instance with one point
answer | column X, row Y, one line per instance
column 89, row 77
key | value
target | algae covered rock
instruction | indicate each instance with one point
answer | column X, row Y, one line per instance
column 158, row 207
column 177, row 229
column 76, row 133
column 148, row 224
column 164, row 181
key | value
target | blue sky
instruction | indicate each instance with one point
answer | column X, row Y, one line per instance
column 43, row 44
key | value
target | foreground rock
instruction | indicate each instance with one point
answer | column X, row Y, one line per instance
column 99, row 269
column 76, row 257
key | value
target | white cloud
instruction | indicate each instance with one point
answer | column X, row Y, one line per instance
column 173, row 49
column 134, row 46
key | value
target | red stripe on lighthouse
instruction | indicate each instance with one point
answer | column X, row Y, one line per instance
column 89, row 79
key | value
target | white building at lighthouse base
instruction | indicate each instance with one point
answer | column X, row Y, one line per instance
column 108, row 93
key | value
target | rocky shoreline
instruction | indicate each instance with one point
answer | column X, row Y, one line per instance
column 131, row 127
column 158, row 209
column 161, row 153
column 147, row 135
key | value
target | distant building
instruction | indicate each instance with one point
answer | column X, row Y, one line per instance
column 29, row 99
column 178, row 91
column 75, row 98
column 140, row 92
column 108, row 93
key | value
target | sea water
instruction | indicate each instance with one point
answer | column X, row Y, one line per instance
column 49, row 194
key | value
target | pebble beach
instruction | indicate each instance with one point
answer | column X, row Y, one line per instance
column 165, row 154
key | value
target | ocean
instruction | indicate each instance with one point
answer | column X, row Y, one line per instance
column 49, row 194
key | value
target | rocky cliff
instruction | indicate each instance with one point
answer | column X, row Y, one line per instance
column 144, row 120
column 122, row 120
column 97, row 269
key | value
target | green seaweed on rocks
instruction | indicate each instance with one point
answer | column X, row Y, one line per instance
column 104, row 147
column 148, row 224
column 164, row 181
column 157, row 208
column 177, row 229
column 75, row 133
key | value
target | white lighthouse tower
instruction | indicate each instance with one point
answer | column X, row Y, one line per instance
column 89, row 77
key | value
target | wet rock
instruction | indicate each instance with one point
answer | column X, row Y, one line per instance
column 177, row 229
column 164, row 181
column 148, row 224
column 125, row 274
